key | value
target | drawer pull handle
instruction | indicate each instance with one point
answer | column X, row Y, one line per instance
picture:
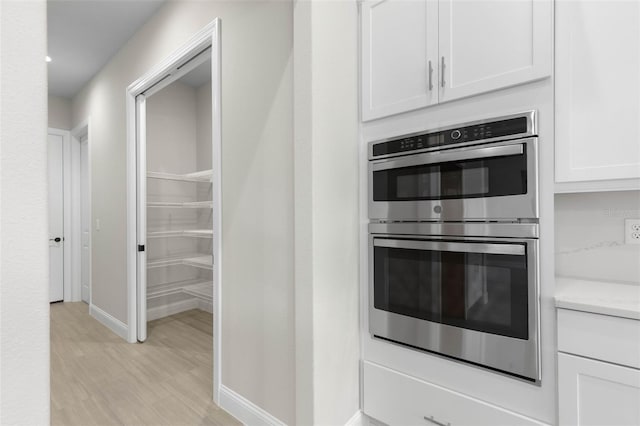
column 435, row 422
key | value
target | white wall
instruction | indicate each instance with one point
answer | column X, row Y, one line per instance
column 171, row 130
column 327, row 215
column 24, row 266
column 590, row 236
column 59, row 112
column 203, row 126
column 257, row 179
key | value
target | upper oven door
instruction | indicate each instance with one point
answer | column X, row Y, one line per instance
column 492, row 181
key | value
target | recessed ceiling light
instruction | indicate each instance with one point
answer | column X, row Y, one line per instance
column 47, row 58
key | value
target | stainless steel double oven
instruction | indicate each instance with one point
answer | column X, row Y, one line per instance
column 453, row 243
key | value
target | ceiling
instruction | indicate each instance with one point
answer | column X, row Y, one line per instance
column 84, row 34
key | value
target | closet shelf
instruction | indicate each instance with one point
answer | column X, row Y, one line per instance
column 197, row 288
column 181, row 205
column 201, row 290
column 197, row 260
column 196, row 233
column 205, row 261
column 201, row 176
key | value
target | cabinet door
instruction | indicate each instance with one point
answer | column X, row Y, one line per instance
column 399, row 55
column 597, row 90
column 597, row 393
column 492, row 44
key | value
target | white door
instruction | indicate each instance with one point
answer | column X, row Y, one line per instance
column 141, row 282
column 85, row 221
column 597, row 90
column 56, row 218
column 488, row 45
column 399, row 56
column 597, row 393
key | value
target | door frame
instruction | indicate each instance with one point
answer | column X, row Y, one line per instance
column 77, row 134
column 68, row 245
column 164, row 73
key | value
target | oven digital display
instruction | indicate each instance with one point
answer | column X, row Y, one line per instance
column 495, row 129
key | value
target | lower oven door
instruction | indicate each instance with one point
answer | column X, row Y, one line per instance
column 474, row 299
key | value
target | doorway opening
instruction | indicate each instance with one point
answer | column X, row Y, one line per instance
column 174, row 211
column 81, row 215
column 69, row 200
column 59, row 215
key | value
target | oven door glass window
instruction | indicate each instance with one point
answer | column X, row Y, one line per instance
column 476, row 286
column 486, row 177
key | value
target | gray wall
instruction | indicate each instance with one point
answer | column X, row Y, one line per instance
column 59, row 112
column 24, row 251
column 257, row 179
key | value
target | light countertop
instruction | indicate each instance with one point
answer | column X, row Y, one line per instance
column 620, row 300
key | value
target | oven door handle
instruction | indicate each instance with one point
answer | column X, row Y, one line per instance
column 484, row 248
column 449, row 156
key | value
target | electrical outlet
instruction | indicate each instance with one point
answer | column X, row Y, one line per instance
column 632, row 231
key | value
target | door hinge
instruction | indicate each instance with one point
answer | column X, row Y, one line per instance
column 140, row 247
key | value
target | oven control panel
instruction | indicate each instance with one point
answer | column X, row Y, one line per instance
column 516, row 126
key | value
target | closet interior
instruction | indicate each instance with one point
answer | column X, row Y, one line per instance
column 179, row 196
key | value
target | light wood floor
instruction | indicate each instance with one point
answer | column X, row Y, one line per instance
column 99, row 379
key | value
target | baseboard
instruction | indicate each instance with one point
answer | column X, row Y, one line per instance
column 113, row 324
column 244, row 410
column 171, row 309
column 203, row 305
column 356, row 420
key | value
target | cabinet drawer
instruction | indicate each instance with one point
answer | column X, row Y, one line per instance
column 603, row 337
column 397, row 399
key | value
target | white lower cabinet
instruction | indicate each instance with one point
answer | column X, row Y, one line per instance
column 397, row 399
column 594, row 392
column 598, row 369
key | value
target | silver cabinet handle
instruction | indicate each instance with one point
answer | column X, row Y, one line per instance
column 442, row 67
column 435, row 422
column 430, row 77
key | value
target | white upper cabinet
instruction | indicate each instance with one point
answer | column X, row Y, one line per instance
column 399, row 55
column 597, row 91
column 416, row 53
column 491, row 44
